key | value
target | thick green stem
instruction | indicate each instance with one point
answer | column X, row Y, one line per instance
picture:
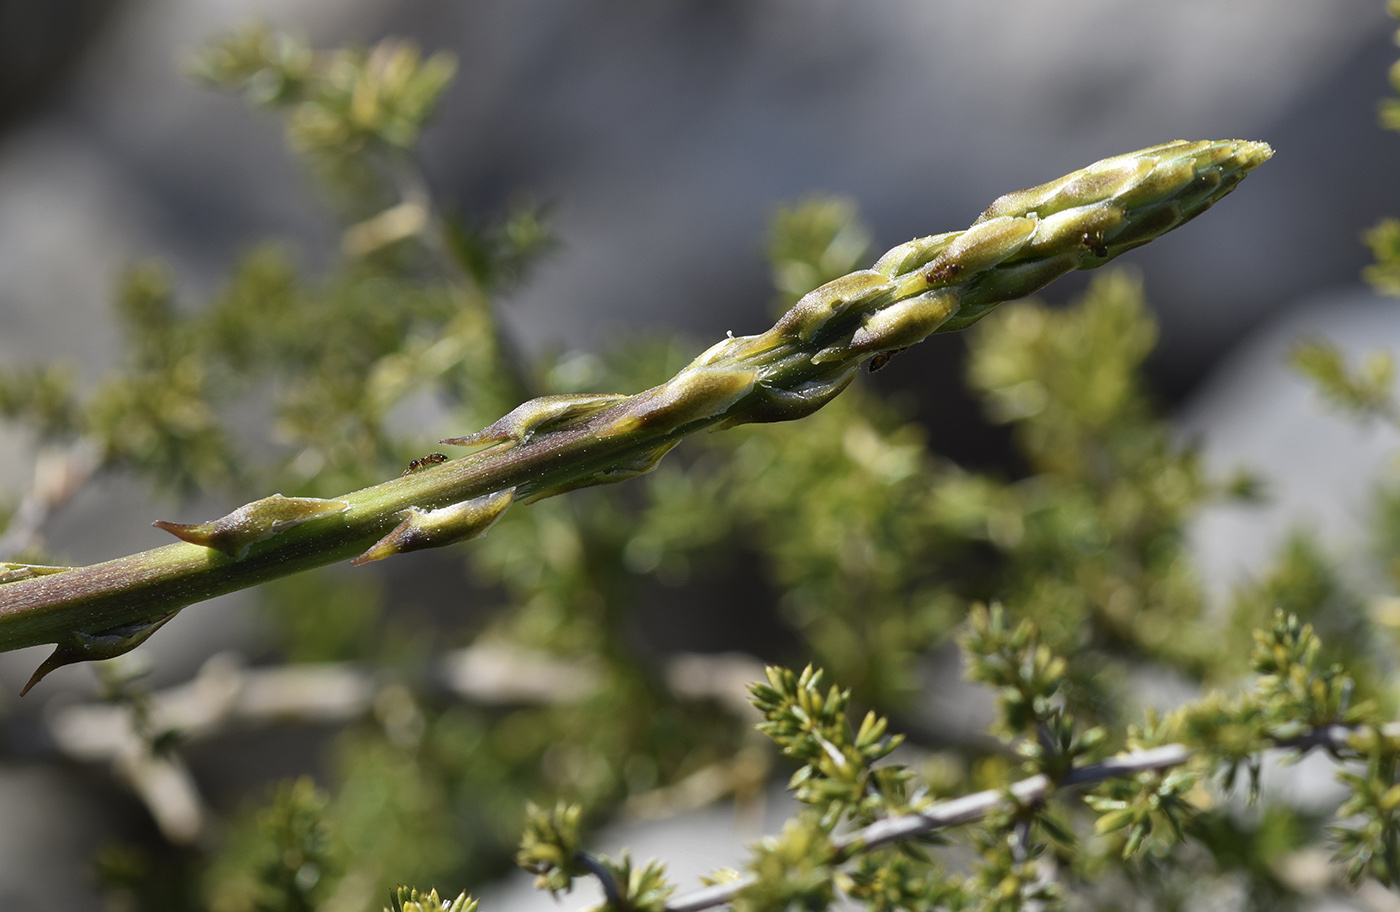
column 42, row 609
column 558, row 443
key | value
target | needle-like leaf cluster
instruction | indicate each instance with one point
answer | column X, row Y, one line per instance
column 410, row 899
column 838, row 773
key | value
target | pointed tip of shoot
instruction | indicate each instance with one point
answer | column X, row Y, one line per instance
column 434, row 528
column 470, row 440
column 195, row 534
column 52, row 662
column 387, row 546
column 1251, row 154
column 542, row 413
column 251, row 523
column 81, row 646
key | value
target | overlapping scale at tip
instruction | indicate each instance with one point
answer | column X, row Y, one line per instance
column 434, row 528
column 1027, row 238
column 1136, row 178
column 539, row 414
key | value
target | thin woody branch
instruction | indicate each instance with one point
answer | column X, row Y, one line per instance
column 225, row 696
column 1030, row 792
column 558, row 443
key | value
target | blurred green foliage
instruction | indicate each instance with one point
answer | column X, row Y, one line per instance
column 288, row 861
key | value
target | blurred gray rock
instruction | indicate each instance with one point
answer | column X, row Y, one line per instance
column 50, row 833
column 1320, row 467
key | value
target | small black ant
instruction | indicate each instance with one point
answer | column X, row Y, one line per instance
column 431, row 459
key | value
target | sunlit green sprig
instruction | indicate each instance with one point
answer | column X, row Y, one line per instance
column 1294, row 704
column 1149, row 811
column 550, row 848
column 1368, row 836
column 838, row 775
column 271, row 66
column 1297, row 695
column 1296, row 692
column 793, row 871
column 1009, row 875
column 1368, row 840
column 1295, row 701
column 1031, row 683
column 340, row 99
column 1028, row 675
column 639, row 888
column 896, row 882
column 290, row 863
column 1384, row 241
column 1366, row 390
column 411, row 899
column 1305, row 582
column 1149, row 798
column 550, row 844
